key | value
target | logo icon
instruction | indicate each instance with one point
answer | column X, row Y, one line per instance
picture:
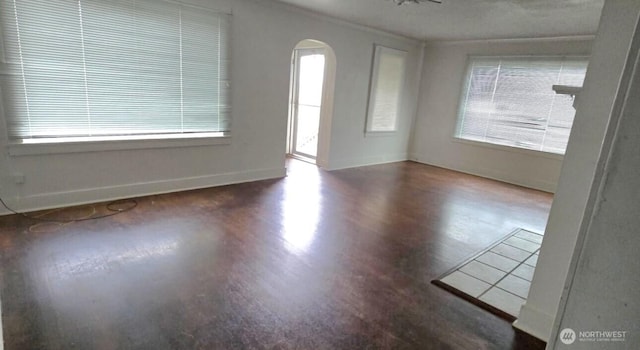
column 567, row 336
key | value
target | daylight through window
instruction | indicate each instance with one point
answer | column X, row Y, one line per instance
column 94, row 68
column 509, row 101
column 387, row 80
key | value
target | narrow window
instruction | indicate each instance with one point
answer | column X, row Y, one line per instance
column 387, row 82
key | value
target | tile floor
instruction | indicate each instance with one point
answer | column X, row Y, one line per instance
column 501, row 276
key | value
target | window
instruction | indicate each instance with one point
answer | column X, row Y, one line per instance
column 95, row 68
column 387, row 80
column 509, row 101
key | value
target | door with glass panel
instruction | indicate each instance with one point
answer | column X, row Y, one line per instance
column 306, row 102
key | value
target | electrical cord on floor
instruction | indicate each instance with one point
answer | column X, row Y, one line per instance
column 110, row 207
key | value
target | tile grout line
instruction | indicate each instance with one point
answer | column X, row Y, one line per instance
column 510, row 245
column 505, row 276
column 503, row 242
column 526, row 239
column 491, row 286
column 520, row 262
column 504, row 256
column 472, row 276
column 508, row 292
column 510, row 274
column 464, row 273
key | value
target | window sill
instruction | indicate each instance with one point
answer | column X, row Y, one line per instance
column 379, row 133
column 115, row 143
column 511, row 149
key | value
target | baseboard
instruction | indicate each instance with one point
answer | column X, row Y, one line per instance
column 535, row 322
column 93, row 195
column 489, row 174
column 374, row 160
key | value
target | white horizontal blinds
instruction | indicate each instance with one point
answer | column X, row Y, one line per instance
column 132, row 57
column 389, row 71
column 115, row 67
column 205, row 63
column 478, row 99
column 46, row 89
column 510, row 101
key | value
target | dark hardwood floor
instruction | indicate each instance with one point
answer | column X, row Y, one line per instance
column 318, row 260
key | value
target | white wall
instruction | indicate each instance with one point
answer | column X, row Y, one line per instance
column 444, row 70
column 580, row 167
column 603, row 294
column 263, row 36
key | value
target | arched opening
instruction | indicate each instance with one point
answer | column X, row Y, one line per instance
column 313, row 70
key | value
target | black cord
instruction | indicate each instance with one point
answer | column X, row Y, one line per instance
column 109, row 207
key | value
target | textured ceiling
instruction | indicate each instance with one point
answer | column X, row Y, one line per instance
column 466, row 19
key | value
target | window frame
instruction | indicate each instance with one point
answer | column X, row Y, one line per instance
column 99, row 143
column 462, row 102
column 375, row 71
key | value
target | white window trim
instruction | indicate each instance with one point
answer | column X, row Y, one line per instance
column 116, row 143
column 372, row 88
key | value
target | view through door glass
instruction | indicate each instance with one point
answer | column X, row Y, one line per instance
column 309, row 100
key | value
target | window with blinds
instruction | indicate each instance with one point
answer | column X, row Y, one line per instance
column 96, row 68
column 387, row 79
column 509, row 101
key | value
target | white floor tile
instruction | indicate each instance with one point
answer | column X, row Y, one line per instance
column 515, row 285
column 511, row 252
column 524, row 271
column 522, row 244
column 466, row 283
column 504, row 301
column 532, row 261
column 529, row 236
column 484, row 272
column 498, row 261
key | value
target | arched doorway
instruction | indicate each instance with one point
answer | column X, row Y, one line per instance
column 311, row 101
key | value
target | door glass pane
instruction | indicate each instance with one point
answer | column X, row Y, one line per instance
column 310, row 82
column 307, row 135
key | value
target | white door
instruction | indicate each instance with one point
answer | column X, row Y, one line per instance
column 307, row 102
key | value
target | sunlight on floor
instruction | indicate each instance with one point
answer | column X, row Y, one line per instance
column 301, row 208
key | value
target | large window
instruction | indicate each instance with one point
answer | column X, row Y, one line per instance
column 509, row 101
column 98, row 68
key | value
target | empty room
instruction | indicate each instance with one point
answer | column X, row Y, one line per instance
column 313, row 174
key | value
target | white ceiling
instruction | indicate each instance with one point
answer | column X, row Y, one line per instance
column 467, row 19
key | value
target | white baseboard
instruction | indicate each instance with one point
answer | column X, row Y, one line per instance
column 490, row 174
column 101, row 194
column 354, row 163
column 535, row 322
